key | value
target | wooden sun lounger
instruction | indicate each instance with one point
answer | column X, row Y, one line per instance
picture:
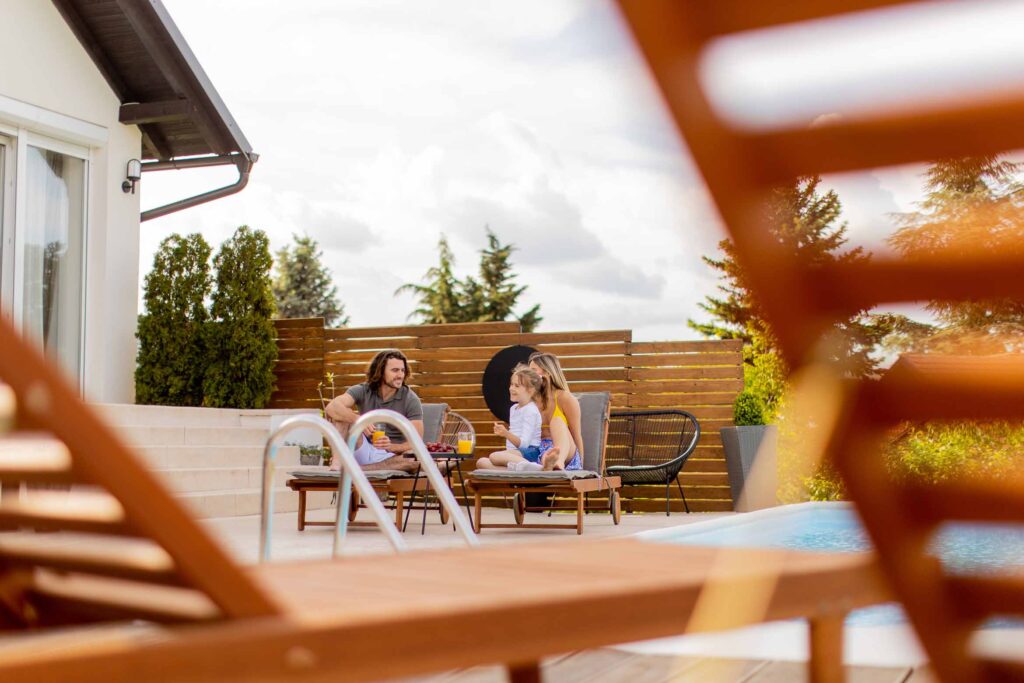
column 140, row 556
column 380, row 617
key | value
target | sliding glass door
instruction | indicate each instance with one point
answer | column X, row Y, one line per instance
column 49, row 277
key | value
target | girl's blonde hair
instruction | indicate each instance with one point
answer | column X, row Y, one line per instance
column 533, row 382
column 548, row 362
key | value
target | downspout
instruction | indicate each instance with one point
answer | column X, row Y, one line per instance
column 243, row 162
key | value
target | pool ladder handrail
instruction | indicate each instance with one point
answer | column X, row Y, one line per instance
column 352, row 474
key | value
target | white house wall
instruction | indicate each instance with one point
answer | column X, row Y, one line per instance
column 49, row 85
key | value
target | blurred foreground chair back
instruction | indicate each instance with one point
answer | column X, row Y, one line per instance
column 741, row 165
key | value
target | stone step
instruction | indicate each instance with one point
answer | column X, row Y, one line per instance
column 195, row 479
column 238, row 502
column 176, row 416
column 149, row 435
column 174, row 457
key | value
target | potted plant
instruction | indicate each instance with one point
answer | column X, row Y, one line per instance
column 750, row 455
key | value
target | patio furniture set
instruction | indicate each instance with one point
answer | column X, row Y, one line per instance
column 648, row 447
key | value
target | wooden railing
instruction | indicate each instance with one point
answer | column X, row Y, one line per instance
column 448, row 361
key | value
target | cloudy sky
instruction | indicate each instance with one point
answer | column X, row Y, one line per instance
column 382, row 125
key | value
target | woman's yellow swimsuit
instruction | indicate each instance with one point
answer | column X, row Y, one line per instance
column 575, row 462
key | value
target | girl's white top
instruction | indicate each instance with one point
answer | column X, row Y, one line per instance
column 524, row 422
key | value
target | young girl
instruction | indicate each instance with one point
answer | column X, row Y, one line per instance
column 522, row 436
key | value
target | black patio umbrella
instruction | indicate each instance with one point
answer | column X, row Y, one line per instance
column 497, row 376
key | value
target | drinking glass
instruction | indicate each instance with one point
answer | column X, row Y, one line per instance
column 465, row 443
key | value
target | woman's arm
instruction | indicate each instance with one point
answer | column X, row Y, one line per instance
column 571, row 408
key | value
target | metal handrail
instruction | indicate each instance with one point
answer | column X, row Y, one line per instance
column 427, row 464
column 350, row 473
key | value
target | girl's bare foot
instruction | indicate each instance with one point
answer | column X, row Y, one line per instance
column 550, row 459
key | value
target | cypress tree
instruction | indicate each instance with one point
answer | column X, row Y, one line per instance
column 498, row 293
column 242, row 349
column 302, row 288
column 171, row 358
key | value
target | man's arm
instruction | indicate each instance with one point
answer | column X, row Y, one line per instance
column 403, row 446
column 340, row 409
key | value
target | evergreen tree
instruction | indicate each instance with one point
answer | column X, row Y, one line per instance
column 302, row 288
column 441, row 298
column 972, row 206
column 172, row 358
column 241, row 341
column 495, row 296
column 806, row 222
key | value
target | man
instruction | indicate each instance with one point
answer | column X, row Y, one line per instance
column 385, row 387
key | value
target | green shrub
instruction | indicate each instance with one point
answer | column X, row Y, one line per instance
column 241, row 343
column 172, row 357
column 934, row 452
column 748, row 409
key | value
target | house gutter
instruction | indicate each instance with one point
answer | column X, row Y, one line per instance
column 243, row 162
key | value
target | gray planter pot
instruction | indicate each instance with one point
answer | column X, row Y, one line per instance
column 753, row 487
column 309, row 459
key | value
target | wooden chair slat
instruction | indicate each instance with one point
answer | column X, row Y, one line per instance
column 73, row 598
column 93, row 512
column 105, row 556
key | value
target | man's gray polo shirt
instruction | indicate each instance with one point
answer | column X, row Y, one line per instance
column 405, row 402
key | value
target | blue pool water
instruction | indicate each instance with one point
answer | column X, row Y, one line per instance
column 962, row 548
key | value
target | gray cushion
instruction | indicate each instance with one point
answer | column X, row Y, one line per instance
column 433, row 418
column 325, row 474
column 535, row 476
column 593, row 419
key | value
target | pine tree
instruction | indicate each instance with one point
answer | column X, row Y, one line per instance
column 240, row 373
column 806, row 222
column 441, row 299
column 973, row 205
column 172, row 358
column 496, row 294
column 302, row 287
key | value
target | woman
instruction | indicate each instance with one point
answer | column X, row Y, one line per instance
column 561, row 440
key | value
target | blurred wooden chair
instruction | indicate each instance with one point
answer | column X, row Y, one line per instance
column 741, row 165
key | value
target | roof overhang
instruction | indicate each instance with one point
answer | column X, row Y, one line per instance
column 162, row 88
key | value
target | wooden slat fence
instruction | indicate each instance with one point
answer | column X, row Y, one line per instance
column 447, row 362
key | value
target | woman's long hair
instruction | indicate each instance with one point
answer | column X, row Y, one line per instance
column 375, row 372
column 548, row 362
column 531, row 379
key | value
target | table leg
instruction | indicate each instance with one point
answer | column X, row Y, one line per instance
column 412, row 500
column 524, row 673
column 826, row 661
column 302, row 509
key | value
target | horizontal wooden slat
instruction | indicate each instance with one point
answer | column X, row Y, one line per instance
column 449, row 329
column 527, row 339
column 65, row 510
column 92, row 598
column 683, row 401
column 119, row 558
column 298, row 333
column 681, row 360
column 711, row 346
column 723, row 372
column 28, row 456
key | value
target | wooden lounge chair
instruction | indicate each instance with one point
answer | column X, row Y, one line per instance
column 311, row 479
column 126, row 550
column 594, row 410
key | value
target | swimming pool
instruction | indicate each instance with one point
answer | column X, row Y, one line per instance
column 835, row 527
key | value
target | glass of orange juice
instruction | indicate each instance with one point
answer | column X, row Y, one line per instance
column 378, row 433
column 464, row 446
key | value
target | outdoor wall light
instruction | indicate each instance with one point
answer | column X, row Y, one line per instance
column 133, row 175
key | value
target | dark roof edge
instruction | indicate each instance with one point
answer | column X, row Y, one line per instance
column 202, row 81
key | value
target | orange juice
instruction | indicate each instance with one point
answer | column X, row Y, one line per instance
column 377, row 434
column 465, row 446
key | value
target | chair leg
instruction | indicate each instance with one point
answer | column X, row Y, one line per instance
column 668, row 509
column 580, row 507
column 683, row 495
column 524, row 673
column 477, row 510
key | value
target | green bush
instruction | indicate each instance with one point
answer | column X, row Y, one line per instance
column 242, row 350
column 934, row 452
column 172, row 356
column 748, row 409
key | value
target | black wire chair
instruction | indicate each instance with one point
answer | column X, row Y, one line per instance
column 651, row 447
